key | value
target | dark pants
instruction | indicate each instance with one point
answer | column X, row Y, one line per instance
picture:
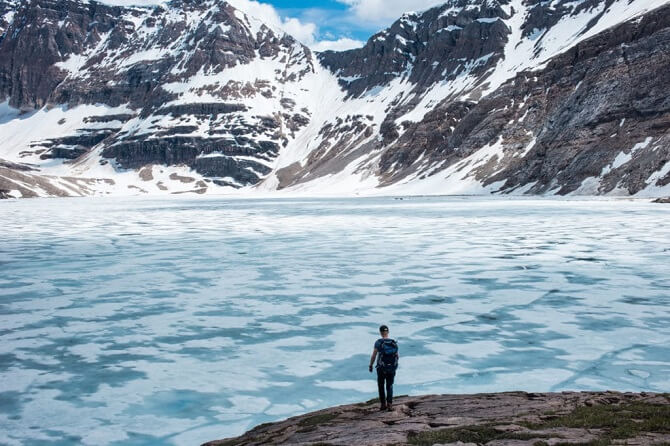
column 385, row 379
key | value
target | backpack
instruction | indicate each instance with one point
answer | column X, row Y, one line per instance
column 388, row 355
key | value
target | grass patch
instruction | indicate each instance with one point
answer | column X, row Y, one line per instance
column 315, row 420
column 479, row 434
column 310, row 423
column 598, row 442
column 617, row 422
column 624, row 421
column 368, row 402
column 264, row 425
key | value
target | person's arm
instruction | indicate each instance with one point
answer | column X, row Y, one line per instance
column 372, row 359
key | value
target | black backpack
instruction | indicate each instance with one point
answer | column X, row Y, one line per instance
column 388, row 355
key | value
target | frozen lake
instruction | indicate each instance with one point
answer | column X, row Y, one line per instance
column 157, row 321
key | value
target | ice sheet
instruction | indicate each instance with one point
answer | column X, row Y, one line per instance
column 174, row 321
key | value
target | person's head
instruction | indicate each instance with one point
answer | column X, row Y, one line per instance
column 384, row 331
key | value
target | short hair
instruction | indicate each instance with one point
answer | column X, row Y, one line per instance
column 383, row 328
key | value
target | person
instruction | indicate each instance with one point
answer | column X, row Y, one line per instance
column 386, row 353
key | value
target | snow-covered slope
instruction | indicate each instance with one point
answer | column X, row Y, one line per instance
column 184, row 98
column 424, row 97
column 511, row 96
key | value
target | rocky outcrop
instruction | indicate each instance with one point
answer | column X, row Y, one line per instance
column 427, row 48
column 21, row 183
column 597, row 111
column 16, row 166
column 208, row 156
column 72, row 147
column 596, row 119
column 201, row 109
column 7, row 8
column 513, row 418
column 41, row 34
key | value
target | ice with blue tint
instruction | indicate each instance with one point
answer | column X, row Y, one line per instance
column 146, row 322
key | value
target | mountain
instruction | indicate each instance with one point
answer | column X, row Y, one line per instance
column 111, row 90
column 506, row 97
column 510, row 96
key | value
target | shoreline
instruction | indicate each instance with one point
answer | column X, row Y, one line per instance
column 509, row 418
column 657, row 199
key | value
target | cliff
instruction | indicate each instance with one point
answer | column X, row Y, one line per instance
column 514, row 418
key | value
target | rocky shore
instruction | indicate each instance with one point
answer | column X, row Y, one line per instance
column 514, row 418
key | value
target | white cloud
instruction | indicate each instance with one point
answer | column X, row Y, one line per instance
column 382, row 12
column 342, row 44
column 267, row 14
column 304, row 32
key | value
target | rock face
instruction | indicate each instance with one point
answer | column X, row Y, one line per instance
column 429, row 48
column 7, row 11
column 197, row 84
column 472, row 96
column 488, row 419
column 594, row 120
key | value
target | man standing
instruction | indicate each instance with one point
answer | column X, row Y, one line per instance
column 386, row 352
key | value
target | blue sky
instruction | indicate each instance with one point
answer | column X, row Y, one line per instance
column 353, row 19
column 332, row 18
column 323, row 24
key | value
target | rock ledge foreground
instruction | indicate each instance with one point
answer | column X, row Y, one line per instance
column 514, row 418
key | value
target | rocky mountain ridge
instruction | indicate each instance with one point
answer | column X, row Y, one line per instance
column 483, row 96
column 149, row 87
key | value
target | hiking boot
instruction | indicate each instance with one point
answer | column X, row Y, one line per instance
column 389, row 407
column 383, row 407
